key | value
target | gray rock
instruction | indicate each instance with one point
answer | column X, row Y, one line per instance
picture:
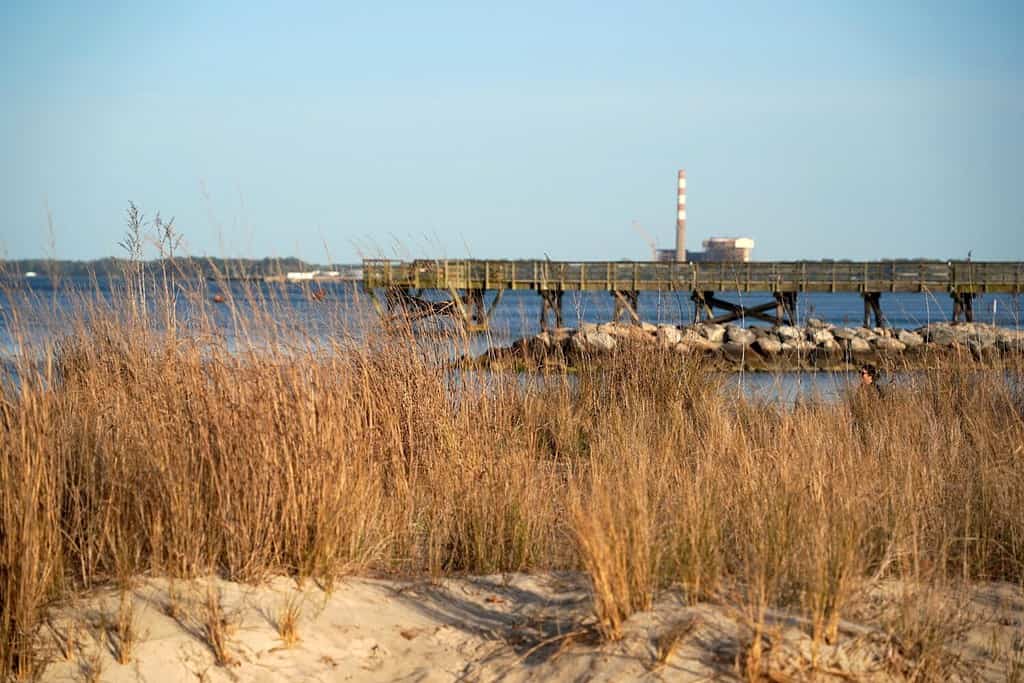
column 588, row 327
column 712, row 331
column 788, row 333
column 829, row 345
column 911, row 339
column 1010, row 341
column 816, row 324
column 844, row 333
column 701, row 344
column 798, row 346
column 941, row 334
column 769, row 346
column 649, row 328
column 858, row 345
column 865, row 333
column 561, row 335
column 668, row 335
column 737, row 335
column 984, row 338
column 819, row 335
column 736, row 352
column 889, row 344
column 600, row 342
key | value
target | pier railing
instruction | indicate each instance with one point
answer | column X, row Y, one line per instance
column 757, row 276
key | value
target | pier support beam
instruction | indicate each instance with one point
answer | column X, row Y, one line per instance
column 707, row 301
column 551, row 300
column 873, row 304
column 626, row 303
column 406, row 303
column 476, row 317
column 963, row 305
column 701, row 306
column 785, row 307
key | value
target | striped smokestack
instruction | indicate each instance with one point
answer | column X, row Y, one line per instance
column 681, row 218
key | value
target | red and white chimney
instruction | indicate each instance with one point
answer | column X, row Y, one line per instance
column 681, row 218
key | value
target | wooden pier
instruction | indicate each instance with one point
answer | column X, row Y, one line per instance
column 466, row 281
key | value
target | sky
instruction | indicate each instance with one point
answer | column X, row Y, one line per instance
column 336, row 131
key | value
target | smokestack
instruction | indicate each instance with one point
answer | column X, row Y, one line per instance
column 681, row 218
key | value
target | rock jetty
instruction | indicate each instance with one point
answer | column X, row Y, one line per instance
column 815, row 346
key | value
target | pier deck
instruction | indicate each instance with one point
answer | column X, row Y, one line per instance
column 466, row 280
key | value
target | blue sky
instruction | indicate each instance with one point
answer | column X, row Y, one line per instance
column 338, row 130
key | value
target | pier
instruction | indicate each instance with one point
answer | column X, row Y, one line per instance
column 397, row 287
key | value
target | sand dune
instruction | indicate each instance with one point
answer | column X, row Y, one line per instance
column 514, row 627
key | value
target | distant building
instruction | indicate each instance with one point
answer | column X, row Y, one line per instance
column 716, row 249
column 665, row 255
column 731, row 249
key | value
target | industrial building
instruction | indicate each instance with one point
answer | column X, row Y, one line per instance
column 715, row 248
column 723, row 249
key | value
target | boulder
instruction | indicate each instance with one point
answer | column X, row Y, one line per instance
column 888, row 344
column 858, row 345
column 829, row 345
column 798, row 346
column 701, row 344
column 736, row 352
column 712, row 331
column 819, row 335
column 911, row 339
column 817, row 324
column 668, row 336
column 865, row 333
column 561, row 335
column 594, row 341
column 769, row 345
column 737, row 335
column 788, row 333
column 940, row 334
column 649, row 328
column 1010, row 341
column 844, row 333
column 983, row 337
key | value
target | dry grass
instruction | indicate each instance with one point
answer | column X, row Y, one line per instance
column 669, row 640
column 217, row 627
column 149, row 441
column 286, row 620
column 122, row 632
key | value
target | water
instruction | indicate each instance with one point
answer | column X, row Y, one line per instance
column 46, row 311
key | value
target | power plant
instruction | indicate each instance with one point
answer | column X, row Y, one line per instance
column 731, row 249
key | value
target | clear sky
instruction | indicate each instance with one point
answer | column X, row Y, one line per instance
column 821, row 129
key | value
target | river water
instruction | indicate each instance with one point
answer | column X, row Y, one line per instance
column 40, row 310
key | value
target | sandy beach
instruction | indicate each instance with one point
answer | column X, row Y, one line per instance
column 505, row 627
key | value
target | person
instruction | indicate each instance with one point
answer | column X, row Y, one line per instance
column 869, row 378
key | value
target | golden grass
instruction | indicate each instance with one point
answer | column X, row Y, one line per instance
column 286, row 619
column 146, row 441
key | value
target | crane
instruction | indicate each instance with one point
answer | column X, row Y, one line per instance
column 647, row 238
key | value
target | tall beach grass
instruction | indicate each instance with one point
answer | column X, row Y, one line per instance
column 145, row 440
